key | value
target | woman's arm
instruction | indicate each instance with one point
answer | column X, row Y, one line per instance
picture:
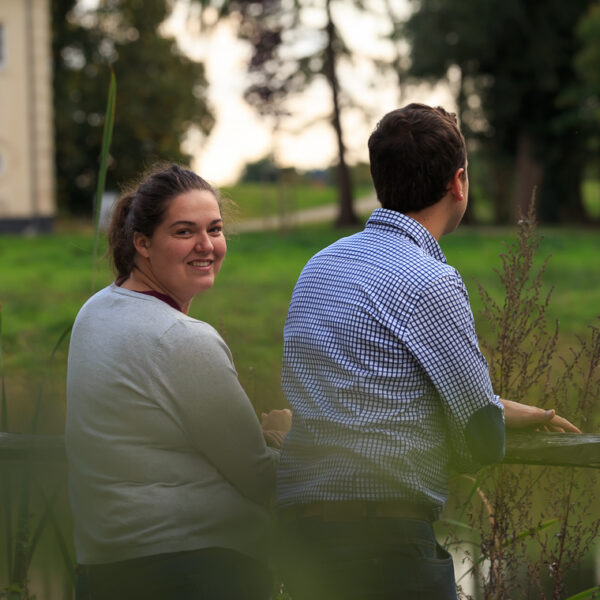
column 213, row 409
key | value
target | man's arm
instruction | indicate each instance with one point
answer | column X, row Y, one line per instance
column 522, row 416
column 441, row 336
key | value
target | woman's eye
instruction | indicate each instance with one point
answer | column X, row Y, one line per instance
column 183, row 232
column 216, row 229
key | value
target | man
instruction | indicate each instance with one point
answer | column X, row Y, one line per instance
column 388, row 387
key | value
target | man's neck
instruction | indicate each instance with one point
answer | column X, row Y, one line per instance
column 439, row 218
column 430, row 220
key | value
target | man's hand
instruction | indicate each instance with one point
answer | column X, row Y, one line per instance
column 523, row 416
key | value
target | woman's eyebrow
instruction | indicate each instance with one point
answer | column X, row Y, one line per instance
column 176, row 223
column 193, row 223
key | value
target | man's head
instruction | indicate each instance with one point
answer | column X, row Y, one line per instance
column 415, row 152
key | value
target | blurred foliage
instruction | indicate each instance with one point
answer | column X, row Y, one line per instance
column 512, row 65
column 587, row 61
column 524, row 348
column 161, row 94
column 266, row 170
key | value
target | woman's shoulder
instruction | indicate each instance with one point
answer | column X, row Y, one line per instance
column 184, row 328
column 187, row 336
column 131, row 311
column 149, row 320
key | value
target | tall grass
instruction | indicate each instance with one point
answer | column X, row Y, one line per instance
column 109, row 122
column 534, row 524
column 23, row 531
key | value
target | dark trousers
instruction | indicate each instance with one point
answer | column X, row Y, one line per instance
column 207, row 574
column 369, row 559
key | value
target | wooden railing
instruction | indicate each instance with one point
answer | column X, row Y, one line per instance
column 20, row 446
column 558, row 449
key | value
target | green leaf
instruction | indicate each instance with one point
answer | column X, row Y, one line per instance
column 529, row 532
column 457, row 523
column 590, row 594
column 4, row 410
column 109, row 121
column 7, row 496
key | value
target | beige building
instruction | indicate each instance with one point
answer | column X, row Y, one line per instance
column 26, row 139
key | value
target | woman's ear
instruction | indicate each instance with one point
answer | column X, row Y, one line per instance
column 141, row 243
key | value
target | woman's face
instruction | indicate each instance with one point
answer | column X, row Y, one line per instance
column 187, row 248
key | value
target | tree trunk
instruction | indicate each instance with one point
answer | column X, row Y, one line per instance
column 501, row 173
column 346, row 216
column 528, row 175
column 561, row 200
column 469, row 216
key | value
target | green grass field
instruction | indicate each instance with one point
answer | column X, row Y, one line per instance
column 255, row 200
column 44, row 280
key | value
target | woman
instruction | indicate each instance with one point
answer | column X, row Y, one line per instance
column 169, row 473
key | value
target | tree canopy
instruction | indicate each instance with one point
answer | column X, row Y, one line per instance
column 587, row 62
column 516, row 69
column 160, row 94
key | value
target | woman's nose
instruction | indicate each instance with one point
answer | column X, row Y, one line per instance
column 203, row 243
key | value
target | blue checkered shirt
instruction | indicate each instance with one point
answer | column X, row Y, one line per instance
column 383, row 371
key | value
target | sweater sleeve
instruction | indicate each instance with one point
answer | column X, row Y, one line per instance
column 212, row 408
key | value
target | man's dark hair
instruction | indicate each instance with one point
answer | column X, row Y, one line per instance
column 414, row 153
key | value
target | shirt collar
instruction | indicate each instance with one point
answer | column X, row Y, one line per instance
column 410, row 228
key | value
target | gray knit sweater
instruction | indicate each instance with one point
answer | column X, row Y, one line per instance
column 165, row 451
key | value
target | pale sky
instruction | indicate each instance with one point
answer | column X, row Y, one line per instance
column 241, row 135
column 306, row 140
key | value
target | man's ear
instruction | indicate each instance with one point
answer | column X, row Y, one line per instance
column 457, row 184
column 141, row 243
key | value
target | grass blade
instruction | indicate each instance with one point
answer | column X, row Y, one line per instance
column 37, row 534
column 529, row 532
column 21, row 545
column 38, row 403
column 457, row 523
column 523, row 534
column 4, row 410
column 109, row 121
column 6, row 478
column 60, row 539
column 590, row 594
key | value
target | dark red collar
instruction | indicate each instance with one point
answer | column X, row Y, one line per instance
column 164, row 297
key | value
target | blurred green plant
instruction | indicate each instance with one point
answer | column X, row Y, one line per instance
column 522, row 352
column 23, row 535
column 590, row 594
column 109, row 122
